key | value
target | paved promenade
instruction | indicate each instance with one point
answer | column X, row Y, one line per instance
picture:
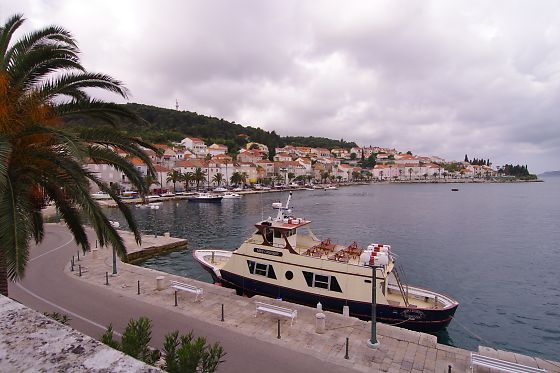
column 251, row 343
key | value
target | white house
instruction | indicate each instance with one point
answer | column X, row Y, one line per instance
column 217, row 149
column 196, row 146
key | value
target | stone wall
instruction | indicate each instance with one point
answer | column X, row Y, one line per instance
column 32, row 342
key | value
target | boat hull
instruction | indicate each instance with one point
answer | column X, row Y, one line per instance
column 419, row 319
column 205, row 200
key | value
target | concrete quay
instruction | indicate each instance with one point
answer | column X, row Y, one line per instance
column 151, row 246
column 400, row 350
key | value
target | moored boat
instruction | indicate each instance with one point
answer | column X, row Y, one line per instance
column 100, row 195
column 280, row 260
column 205, row 197
column 231, row 195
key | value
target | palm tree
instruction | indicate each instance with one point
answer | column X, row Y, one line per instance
column 42, row 82
column 198, row 176
column 187, row 178
column 291, row 176
column 236, row 178
column 150, row 180
column 174, row 177
column 218, row 178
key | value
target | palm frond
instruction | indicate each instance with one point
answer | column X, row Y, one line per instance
column 15, row 227
column 6, row 33
column 104, row 155
column 36, row 40
column 5, row 152
column 116, row 139
column 72, row 85
column 105, row 111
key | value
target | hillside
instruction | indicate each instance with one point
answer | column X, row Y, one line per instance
column 165, row 125
column 550, row 174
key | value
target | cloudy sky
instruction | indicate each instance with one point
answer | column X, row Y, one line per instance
column 435, row 77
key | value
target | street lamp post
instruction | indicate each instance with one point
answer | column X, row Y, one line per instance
column 116, row 225
column 372, row 342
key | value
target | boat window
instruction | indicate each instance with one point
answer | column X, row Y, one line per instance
column 334, row 285
column 268, row 235
column 271, row 273
column 251, row 265
column 277, row 233
column 261, row 269
column 322, row 281
column 308, row 278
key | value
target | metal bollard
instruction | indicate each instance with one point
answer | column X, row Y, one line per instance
column 449, row 369
column 72, row 264
column 78, row 255
column 106, row 278
column 138, row 287
column 222, row 312
column 346, row 356
column 96, row 244
column 278, row 329
column 80, row 270
column 175, row 298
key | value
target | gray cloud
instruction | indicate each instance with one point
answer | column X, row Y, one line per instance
column 436, row 77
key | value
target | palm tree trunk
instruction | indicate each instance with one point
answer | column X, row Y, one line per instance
column 3, row 274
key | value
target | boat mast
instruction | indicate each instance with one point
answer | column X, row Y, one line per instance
column 281, row 209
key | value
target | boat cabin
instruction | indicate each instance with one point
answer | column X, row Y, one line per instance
column 281, row 233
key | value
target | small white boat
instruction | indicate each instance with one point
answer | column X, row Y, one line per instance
column 277, row 205
column 331, row 187
column 153, row 196
column 231, row 195
column 220, row 189
column 155, row 204
column 205, row 197
column 238, row 189
column 265, row 188
column 168, row 194
column 100, row 195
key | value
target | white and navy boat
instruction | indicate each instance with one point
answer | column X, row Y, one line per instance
column 205, row 197
column 284, row 259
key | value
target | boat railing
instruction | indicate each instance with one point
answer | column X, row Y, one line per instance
column 425, row 295
column 404, row 292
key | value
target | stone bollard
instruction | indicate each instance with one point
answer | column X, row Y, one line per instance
column 320, row 323
column 94, row 253
column 319, row 307
column 346, row 311
column 159, row 282
column 166, row 234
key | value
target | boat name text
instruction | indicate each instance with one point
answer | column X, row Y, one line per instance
column 267, row 252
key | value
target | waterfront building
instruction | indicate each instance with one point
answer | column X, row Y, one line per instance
column 267, row 166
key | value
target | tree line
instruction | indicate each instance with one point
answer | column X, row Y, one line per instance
column 479, row 162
